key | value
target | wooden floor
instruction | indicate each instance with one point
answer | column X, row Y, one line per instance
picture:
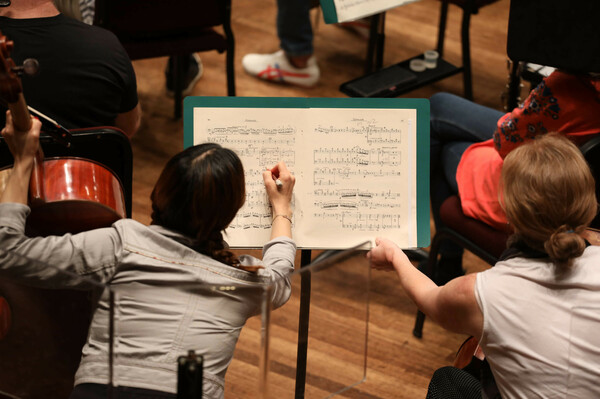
column 398, row 365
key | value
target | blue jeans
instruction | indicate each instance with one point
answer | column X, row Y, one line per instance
column 456, row 123
column 294, row 28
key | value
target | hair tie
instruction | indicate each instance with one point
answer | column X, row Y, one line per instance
column 570, row 231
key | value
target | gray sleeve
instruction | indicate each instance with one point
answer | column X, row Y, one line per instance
column 55, row 261
column 279, row 255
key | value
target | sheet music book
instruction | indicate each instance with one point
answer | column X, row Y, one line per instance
column 361, row 165
column 335, row 11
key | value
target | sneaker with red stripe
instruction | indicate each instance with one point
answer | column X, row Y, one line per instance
column 277, row 68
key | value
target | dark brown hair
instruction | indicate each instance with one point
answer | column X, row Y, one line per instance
column 198, row 193
column 549, row 197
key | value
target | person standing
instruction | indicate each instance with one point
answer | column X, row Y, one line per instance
column 295, row 62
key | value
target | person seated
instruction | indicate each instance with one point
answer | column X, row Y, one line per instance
column 469, row 142
column 85, row 77
column 197, row 195
column 295, row 62
column 522, row 309
column 85, row 10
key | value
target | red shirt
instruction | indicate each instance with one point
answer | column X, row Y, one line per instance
column 563, row 102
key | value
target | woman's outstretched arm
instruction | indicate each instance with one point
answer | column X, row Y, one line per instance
column 453, row 305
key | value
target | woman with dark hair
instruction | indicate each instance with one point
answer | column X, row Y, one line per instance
column 534, row 311
column 153, row 267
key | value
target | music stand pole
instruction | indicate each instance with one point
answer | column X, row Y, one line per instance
column 303, row 318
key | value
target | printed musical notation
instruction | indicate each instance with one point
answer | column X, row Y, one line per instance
column 354, row 170
column 364, row 128
column 362, row 222
column 267, row 145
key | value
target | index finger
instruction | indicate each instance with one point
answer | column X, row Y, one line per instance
column 9, row 119
column 279, row 168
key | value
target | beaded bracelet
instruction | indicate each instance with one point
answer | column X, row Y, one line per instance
column 283, row 216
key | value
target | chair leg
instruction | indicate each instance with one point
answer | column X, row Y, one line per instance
column 229, row 62
column 420, row 320
column 230, row 72
column 514, row 86
column 178, row 71
column 466, row 50
column 430, row 272
column 442, row 27
column 380, row 42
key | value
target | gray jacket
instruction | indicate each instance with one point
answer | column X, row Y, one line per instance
column 165, row 304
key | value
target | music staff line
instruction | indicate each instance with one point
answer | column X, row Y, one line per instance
column 359, row 205
column 248, row 135
column 352, row 157
column 345, row 194
column 251, row 131
column 361, row 221
column 252, row 220
column 349, row 221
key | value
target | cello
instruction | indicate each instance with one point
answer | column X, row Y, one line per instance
column 66, row 194
column 42, row 331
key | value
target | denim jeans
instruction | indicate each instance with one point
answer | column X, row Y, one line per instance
column 456, row 123
column 294, row 28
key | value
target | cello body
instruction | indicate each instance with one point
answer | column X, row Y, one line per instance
column 42, row 331
column 81, row 194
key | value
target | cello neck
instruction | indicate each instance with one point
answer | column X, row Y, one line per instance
column 22, row 123
column 20, row 114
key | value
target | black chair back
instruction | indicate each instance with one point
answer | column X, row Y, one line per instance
column 591, row 151
column 176, row 28
column 556, row 33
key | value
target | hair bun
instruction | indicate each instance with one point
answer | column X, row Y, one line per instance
column 564, row 245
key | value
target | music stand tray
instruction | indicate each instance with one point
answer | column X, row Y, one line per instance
column 397, row 79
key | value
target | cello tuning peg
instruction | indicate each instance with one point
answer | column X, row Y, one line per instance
column 30, row 67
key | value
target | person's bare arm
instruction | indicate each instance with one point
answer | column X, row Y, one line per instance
column 23, row 146
column 280, row 197
column 453, row 305
column 129, row 122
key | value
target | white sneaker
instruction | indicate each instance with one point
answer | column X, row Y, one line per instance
column 276, row 67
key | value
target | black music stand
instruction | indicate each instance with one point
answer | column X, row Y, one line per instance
column 303, row 318
column 556, row 33
column 398, row 79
